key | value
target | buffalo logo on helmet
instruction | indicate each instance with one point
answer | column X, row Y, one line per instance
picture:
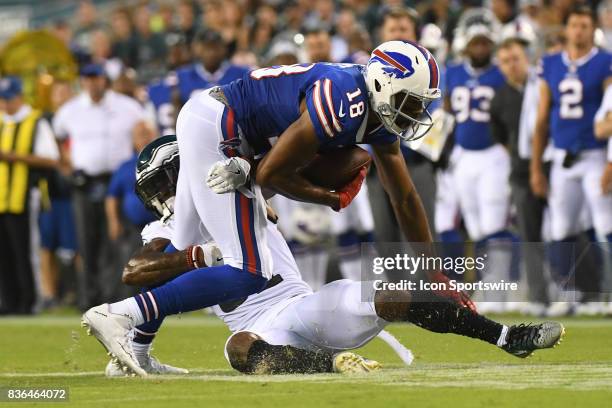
column 397, row 64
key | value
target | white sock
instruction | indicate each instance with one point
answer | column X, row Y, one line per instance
column 502, row 337
column 141, row 351
column 130, row 308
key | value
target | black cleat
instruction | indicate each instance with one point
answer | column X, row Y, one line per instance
column 523, row 340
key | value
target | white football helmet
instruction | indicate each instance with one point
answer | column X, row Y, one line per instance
column 403, row 79
column 476, row 22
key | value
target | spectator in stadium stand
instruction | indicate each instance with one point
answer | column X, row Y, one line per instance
column 282, row 53
column 440, row 13
column 125, row 213
column 512, row 125
column 291, row 21
column 213, row 14
column 61, row 29
column 87, row 23
column 27, row 145
column 401, row 24
column 150, row 46
column 503, row 10
column 318, row 44
column 101, row 53
column 359, row 46
column 187, row 25
column 263, row 30
column 124, row 42
column 233, row 32
column 99, row 124
column 345, row 25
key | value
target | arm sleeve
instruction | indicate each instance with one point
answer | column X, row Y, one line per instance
column 45, row 144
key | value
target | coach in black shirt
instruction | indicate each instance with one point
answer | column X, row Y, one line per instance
column 506, row 128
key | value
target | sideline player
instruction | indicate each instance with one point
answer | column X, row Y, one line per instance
column 170, row 93
column 571, row 90
column 481, row 167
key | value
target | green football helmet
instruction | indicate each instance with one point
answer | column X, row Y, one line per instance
column 157, row 171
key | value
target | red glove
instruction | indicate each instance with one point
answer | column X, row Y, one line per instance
column 348, row 192
column 461, row 298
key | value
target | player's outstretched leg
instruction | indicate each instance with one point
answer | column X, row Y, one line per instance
column 434, row 313
column 250, row 354
column 112, row 324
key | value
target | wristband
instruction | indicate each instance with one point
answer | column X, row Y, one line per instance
column 189, row 256
column 194, row 256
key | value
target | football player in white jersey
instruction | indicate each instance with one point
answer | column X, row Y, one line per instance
column 151, row 267
column 286, row 328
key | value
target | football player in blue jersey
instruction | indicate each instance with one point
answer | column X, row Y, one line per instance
column 282, row 116
column 211, row 69
column 165, row 102
column 482, row 167
column 169, row 94
column 571, row 91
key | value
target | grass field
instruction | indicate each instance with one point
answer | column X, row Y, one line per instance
column 448, row 371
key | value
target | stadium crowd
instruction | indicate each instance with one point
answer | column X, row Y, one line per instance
column 138, row 63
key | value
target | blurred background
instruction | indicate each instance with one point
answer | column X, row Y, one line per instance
column 95, row 81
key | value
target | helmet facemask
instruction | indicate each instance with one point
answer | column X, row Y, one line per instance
column 157, row 189
column 406, row 116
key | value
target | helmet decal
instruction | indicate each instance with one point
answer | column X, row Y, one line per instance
column 434, row 77
column 398, row 64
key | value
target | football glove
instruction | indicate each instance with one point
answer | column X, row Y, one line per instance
column 348, row 192
column 228, row 175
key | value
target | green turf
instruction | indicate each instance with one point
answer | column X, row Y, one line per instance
column 448, row 371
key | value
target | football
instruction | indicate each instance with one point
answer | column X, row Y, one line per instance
column 336, row 168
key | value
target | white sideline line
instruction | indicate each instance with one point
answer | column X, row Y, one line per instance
column 204, row 321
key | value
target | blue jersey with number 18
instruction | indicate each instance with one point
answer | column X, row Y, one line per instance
column 267, row 101
column 576, row 92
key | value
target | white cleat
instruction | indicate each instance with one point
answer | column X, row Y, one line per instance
column 350, row 363
column 115, row 369
column 114, row 332
column 151, row 366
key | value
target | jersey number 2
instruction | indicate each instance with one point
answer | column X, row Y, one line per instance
column 570, row 99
